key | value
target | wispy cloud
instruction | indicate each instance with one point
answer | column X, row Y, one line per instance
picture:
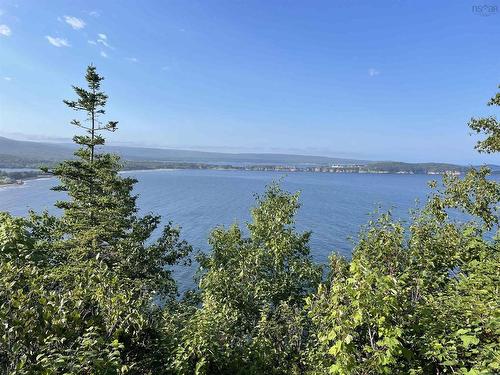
column 75, row 23
column 101, row 39
column 104, row 54
column 373, row 72
column 94, row 13
column 103, row 42
column 7, row 78
column 132, row 59
column 5, row 30
column 57, row 42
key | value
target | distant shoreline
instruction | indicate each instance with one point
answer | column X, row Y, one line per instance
column 21, row 182
column 345, row 169
column 149, row 170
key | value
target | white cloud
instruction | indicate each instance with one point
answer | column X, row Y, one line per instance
column 57, row 42
column 165, row 68
column 5, row 30
column 7, row 78
column 132, row 59
column 103, row 42
column 104, row 54
column 103, row 39
column 373, row 72
column 94, row 13
column 75, row 23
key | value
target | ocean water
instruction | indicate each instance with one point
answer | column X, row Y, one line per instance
column 334, row 206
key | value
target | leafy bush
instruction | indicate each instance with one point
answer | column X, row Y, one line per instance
column 91, row 292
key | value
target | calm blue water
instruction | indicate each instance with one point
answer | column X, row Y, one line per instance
column 334, row 206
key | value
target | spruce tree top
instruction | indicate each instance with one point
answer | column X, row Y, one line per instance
column 92, row 101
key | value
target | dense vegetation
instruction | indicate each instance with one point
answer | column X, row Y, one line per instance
column 8, row 177
column 92, row 292
column 423, row 168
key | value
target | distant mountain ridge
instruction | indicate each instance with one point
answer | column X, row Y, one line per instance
column 18, row 154
column 57, row 151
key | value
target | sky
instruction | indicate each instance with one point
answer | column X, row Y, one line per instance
column 380, row 80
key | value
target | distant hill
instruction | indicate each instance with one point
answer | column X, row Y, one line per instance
column 35, row 150
column 22, row 154
column 395, row 167
column 58, row 151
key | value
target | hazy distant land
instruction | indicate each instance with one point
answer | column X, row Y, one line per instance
column 27, row 154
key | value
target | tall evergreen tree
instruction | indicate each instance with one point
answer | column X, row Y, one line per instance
column 101, row 208
column 79, row 294
column 100, row 217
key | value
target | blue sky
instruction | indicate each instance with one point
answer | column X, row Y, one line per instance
column 391, row 80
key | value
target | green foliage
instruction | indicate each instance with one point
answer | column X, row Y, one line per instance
column 475, row 194
column 87, row 292
column 420, row 298
column 490, row 127
column 396, row 302
column 99, row 220
column 101, row 208
column 252, row 292
column 91, row 292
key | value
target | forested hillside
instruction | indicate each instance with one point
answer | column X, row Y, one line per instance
column 93, row 291
column 40, row 151
column 25, row 154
